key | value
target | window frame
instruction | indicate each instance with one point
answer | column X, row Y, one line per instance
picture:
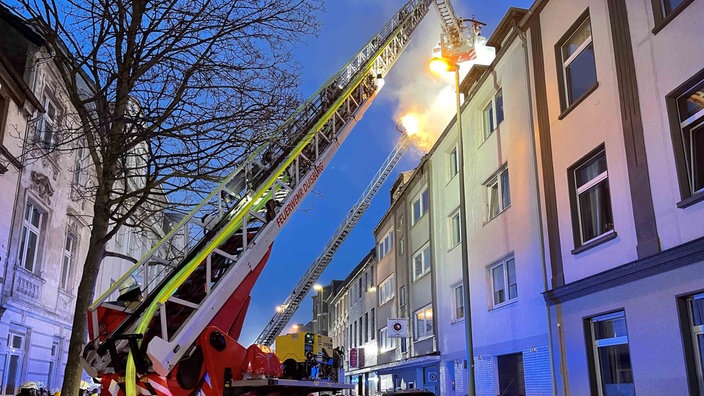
column 582, row 243
column 594, row 345
column 661, row 17
column 502, row 186
column 566, row 102
column 386, row 243
column 384, row 342
column 454, row 229
column 67, row 259
column 423, row 201
column 680, row 132
column 425, row 254
column 493, row 113
column 44, row 140
column 694, row 358
column 425, row 320
column 458, row 302
column 387, row 289
column 27, row 228
column 506, row 281
column 453, row 163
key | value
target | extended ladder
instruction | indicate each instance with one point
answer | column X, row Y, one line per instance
column 206, row 279
column 290, row 306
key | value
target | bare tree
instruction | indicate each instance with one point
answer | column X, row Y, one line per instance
column 186, row 87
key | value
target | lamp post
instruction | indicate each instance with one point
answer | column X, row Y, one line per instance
column 444, row 65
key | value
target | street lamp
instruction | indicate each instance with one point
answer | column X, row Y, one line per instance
column 439, row 65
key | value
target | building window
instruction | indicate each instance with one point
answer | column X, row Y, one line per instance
column 373, row 324
column 575, row 52
column 387, row 289
column 46, row 131
column 354, row 332
column 14, row 357
column 455, row 228
column 590, row 196
column 54, row 365
column 420, row 206
column 385, row 245
column 686, row 108
column 67, row 260
column 453, row 163
column 692, row 309
column 458, row 302
column 29, row 246
column 421, row 262
column 423, row 322
column 402, row 296
column 665, row 10
column 366, row 326
column 610, row 366
column 498, row 193
column 493, row 113
column 77, row 167
column 503, row 280
column 384, row 342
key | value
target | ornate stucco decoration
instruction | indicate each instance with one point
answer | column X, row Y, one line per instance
column 42, row 186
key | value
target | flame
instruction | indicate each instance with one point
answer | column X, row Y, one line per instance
column 410, row 124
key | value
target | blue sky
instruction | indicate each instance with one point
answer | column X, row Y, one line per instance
column 346, row 26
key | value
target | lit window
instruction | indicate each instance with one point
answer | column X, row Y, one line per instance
column 384, row 342
column 423, row 322
column 67, row 260
column 420, row 206
column 421, row 262
column 687, row 112
column 576, row 52
column 493, row 113
column 504, row 283
column 455, row 234
column 29, row 246
column 611, row 368
column 458, row 292
column 498, row 193
column 592, row 202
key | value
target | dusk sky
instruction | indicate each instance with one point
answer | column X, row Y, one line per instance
column 409, row 87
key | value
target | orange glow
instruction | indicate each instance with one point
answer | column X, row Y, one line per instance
column 441, row 65
column 410, row 124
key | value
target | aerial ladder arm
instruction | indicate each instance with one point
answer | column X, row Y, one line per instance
column 202, row 271
column 293, row 301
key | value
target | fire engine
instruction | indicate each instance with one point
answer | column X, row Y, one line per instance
column 181, row 337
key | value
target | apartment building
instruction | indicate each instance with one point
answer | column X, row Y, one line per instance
column 511, row 353
column 617, row 89
column 361, row 338
column 45, row 231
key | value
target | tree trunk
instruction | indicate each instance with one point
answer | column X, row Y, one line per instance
column 86, row 291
